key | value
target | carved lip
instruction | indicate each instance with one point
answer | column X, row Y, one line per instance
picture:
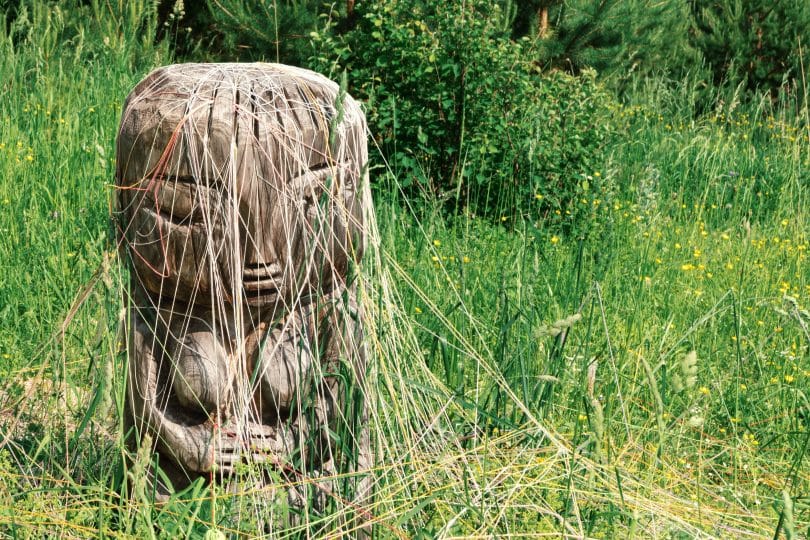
column 261, row 283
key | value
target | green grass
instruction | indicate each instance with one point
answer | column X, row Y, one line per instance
column 495, row 412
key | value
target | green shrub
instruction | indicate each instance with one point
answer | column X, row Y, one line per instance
column 757, row 42
column 259, row 30
column 461, row 111
column 621, row 39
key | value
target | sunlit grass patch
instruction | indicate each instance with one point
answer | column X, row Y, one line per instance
column 529, row 379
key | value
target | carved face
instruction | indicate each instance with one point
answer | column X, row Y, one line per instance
column 240, row 211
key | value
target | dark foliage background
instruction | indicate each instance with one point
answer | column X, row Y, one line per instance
column 503, row 107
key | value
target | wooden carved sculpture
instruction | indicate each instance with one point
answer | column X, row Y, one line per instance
column 241, row 198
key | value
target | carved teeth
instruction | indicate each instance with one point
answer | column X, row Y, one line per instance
column 262, row 271
column 261, row 284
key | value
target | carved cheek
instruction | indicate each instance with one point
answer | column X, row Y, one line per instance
column 284, row 363
column 314, row 221
column 202, row 378
column 175, row 237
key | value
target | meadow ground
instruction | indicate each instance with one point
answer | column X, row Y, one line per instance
column 648, row 378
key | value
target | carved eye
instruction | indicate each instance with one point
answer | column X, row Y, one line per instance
column 310, row 185
column 182, row 200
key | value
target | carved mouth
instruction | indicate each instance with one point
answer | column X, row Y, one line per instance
column 261, row 283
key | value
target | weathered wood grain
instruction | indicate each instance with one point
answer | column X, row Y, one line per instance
column 240, row 211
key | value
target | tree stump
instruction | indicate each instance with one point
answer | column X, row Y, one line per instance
column 240, row 204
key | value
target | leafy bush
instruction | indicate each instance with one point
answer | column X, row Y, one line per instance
column 758, row 42
column 463, row 113
column 238, row 30
column 618, row 38
column 260, row 30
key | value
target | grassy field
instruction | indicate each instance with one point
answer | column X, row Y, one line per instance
column 648, row 379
